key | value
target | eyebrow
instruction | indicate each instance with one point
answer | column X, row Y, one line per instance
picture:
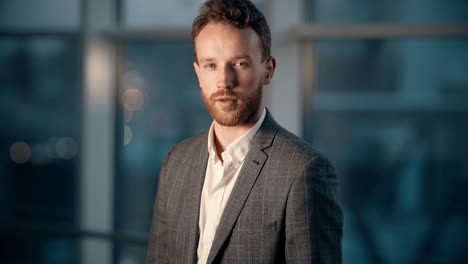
column 206, row 59
column 243, row 56
column 209, row 59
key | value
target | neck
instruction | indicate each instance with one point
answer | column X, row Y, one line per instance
column 225, row 135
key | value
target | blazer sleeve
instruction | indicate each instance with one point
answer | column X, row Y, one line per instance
column 157, row 243
column 314, row 219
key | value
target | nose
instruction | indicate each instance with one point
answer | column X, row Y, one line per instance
column 226, row 78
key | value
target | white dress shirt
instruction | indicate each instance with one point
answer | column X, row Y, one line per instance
column 220, row 178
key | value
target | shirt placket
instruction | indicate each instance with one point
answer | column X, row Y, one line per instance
column 216, row 199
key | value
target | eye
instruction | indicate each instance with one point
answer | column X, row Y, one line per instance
column 209, row 66
column 241, row 64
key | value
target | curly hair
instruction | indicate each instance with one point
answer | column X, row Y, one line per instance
column 239, row 13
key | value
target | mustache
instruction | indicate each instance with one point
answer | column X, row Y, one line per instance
column 225, row 94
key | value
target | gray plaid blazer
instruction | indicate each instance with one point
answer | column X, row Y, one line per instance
column 284, row 207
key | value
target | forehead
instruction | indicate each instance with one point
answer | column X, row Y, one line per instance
column 220, row 39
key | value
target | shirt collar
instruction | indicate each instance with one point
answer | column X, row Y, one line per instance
column 237, row 150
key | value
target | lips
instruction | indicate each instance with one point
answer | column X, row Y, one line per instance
column 224, row 98
column 224, row 95
column 226, row 103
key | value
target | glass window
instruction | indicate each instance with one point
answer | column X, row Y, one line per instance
column 160, row 105
column 402, row 162
column 404, row 180
column 130, row 253
column 415, row 69
column 27, row 247
column 44, row 14
column 400, row 11
column 40, row 136
column 360, row 65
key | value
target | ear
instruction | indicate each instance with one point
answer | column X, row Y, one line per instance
column 196, row 67
column 270, row 65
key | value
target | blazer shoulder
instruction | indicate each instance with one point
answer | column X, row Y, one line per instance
column 190, row 144
column 294, row 154
column 298, row 147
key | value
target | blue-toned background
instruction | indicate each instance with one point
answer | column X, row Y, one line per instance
column 94, row 93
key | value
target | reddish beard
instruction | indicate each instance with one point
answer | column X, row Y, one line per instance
column 242, row 110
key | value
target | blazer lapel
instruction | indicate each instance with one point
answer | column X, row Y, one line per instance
column 194, row 196
column 253, row 164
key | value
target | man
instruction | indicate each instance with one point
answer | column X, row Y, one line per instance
column 247, row 190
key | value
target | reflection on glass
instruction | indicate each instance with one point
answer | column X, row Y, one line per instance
column 400, row 11
column 40, row 103
column 160, row 105
column 403, row 171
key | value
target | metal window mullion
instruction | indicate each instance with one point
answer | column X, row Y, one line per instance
column 97, row 151
column 283, row 96
column 379, row 31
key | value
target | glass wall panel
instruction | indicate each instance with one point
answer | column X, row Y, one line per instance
column 40, row 115
column 360, row 65
column 130, row 254
column 44, row 14
column 385, row 11
column 44, row 249
column 160, row 106
column 415, row 69
column 402, row 163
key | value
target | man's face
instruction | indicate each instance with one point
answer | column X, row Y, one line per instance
column 230, row 72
